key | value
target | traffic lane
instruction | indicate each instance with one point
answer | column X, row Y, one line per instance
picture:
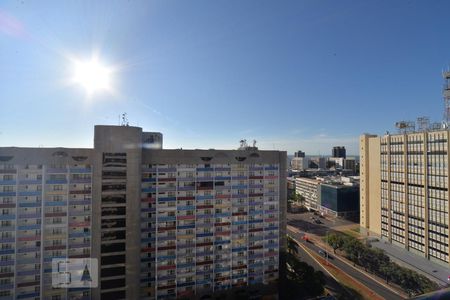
column 330, row 282
column 358, row 275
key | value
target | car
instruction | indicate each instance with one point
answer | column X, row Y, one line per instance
column 324, row 253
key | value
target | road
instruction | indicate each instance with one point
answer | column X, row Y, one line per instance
column 330, row 283
column 356, row 274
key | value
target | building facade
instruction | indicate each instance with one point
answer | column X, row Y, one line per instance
column 404, row 191
column 162, row 223
column 299, row 153
column 299, row 163
column 308, row 188
column 338, row 151
column 339, row 200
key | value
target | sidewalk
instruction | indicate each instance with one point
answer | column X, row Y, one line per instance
column 434, row 271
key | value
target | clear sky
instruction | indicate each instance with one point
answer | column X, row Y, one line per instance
column 291, row 74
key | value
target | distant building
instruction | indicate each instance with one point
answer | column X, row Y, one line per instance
column 337, row 162
column 299, row 163
column 318, row 163
column 338, row 151
column 299, row 153
column 350, row 164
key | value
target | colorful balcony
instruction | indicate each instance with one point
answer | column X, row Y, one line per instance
column 56, row 170
column 80, row 170
column 55, row 203
column 56, row 181
column 30, row 204
column 8, row 194
column 7, row 182
column 30, row 181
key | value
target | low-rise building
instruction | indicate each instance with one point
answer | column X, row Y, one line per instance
column 339, row 199
column 308, row 188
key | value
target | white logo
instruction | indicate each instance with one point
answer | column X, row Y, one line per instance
column 74, row 273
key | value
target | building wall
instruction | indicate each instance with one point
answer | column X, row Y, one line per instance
column 117, row 174
column 45, row 196
column 370, row 184
column 158, row 221
column 339, row 199
column 413, row 191
column 240, row 219
column 309, row 189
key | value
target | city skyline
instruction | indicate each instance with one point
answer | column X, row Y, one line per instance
column 301, row 75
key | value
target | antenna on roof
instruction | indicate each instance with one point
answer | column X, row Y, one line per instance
column 446, row 95
column 124, row 120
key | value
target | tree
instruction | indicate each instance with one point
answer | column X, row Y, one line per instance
column 387, row 271
column 336, row 241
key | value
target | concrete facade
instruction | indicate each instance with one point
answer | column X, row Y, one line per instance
column 309, row 189
column 404, row 191
column 162, row 223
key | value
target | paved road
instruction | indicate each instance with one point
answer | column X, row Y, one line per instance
column 330, row 283
column 356, row 274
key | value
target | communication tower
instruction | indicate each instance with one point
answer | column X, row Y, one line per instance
column 446, row 95
column 405, row 126
column 423, row 123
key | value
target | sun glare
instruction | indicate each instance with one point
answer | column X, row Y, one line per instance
column 92, row 75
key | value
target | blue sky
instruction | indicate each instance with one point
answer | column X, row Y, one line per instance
column 291, row 74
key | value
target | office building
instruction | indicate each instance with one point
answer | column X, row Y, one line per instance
column 337, row 196
column 337, row 162
column 162, row 223
column 308, row 188
column 338, row 151
column 339, row 199
column 404, row 190
column 299, row 153
column 350, row 164
column 318, row 162
column 299, row 163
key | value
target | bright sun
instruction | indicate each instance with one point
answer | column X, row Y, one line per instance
column 92, row 75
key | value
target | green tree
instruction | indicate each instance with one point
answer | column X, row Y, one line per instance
column 336, row 241
column 387, row 271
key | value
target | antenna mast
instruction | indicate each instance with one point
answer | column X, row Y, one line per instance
column 446, row 94
column 124, row 120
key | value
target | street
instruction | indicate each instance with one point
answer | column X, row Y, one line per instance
column 303, row 224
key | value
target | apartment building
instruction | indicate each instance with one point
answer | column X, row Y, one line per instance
column 404, row 190
column 163, row 224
